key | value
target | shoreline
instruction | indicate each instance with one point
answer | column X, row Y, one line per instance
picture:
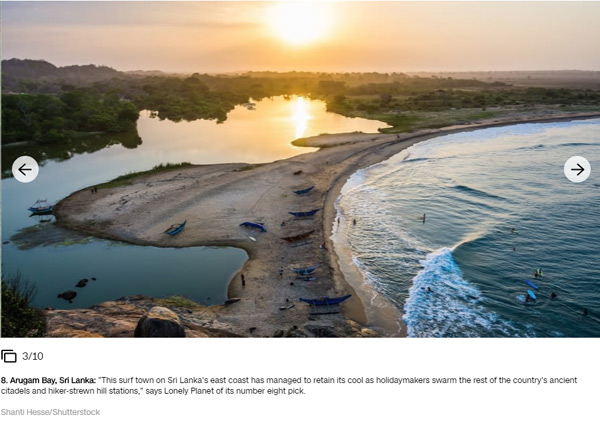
column 230, row 194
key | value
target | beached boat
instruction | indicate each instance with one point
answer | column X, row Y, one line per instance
column 325, row 301
column 298, row 237
column 176, row 228
column 253, row 225
column 41, row 207
column 306, row 270
column 304, row 191
column 304, row 214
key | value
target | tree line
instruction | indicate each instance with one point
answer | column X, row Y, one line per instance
column 46, row 104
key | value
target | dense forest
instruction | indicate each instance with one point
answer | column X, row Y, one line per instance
column 55, row 105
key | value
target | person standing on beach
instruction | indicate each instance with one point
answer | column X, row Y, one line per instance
column 243, row 280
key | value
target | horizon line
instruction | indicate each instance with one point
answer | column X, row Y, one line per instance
column 307, row 71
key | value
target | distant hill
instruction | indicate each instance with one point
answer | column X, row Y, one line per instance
column 39, row 76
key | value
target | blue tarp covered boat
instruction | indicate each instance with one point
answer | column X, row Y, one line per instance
column 176, row 228
column 325, row 301
column 41, row 207
column 306, row 270
column 304, row 191
column 253, row 225
column 304, row 214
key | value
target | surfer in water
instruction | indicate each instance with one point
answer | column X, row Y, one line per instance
column 424, row 218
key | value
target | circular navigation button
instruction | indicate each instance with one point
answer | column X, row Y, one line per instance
column 577, row 169
column 25, row 169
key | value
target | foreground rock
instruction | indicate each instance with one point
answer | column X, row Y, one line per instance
column 160, row 322
column 120, row 318
column 174, row 317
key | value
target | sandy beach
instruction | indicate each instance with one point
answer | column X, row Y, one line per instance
column 215, row 199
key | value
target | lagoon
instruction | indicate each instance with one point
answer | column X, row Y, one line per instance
column 55, row 259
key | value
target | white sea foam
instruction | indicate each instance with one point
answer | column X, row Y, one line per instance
column 442, row 303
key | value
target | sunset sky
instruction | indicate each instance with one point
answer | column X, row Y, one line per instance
column 335, row 36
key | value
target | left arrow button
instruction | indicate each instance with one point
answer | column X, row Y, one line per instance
column 25, row 169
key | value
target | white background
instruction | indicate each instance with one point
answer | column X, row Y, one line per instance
column 321, row 358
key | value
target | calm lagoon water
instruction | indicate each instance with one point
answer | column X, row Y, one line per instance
column 475, row 187
column 200, row 273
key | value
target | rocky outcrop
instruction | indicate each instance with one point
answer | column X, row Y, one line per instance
column 120, row 318
column 160, row 322
column 341, row 330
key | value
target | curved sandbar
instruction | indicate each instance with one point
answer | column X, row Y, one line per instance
column 215, row 199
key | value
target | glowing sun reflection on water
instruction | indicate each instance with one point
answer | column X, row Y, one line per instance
column 300, row 116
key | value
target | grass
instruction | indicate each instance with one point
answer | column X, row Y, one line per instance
column 403, row 120
column 129, row 177
column 414, row 120
column 177, row 301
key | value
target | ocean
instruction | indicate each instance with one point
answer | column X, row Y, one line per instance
column 497, row 207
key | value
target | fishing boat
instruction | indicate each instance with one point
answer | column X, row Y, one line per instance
column 325, row 301
column 253, row 225
column 176, row 228
column 304, row 214
column 41, row 207
column 298, row 237
column 304, row 191
column 305, row 271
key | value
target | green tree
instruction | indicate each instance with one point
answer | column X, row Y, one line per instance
column 19, row 318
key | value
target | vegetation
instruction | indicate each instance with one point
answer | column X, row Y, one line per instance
column 55, row 119
column 127, row 178
column 443, row 107
column 49, row 105
column 177, row 302
column 19, row 319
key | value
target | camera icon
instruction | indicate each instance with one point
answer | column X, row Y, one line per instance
column 8, row 356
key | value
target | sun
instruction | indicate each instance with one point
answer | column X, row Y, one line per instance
column 300, row 23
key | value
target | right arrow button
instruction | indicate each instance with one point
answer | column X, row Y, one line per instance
column 577, row 169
